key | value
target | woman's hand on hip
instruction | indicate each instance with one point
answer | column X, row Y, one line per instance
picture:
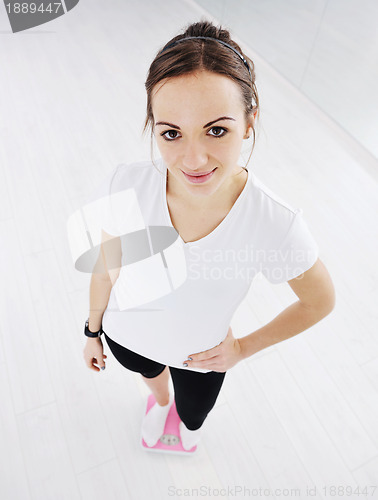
column 220, row 358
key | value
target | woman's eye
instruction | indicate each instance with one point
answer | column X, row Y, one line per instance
column 170, row 136
column 217, row 130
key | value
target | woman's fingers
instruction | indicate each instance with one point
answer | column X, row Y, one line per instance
column 92, row 366
column 94, row 360
column 94, row 355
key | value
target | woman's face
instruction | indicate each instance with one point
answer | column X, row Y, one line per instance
column 199, row 128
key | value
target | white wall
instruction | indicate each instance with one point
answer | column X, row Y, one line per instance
column 326, row 48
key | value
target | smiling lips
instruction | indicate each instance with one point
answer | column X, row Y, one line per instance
column 199, row 178
column 197, row 175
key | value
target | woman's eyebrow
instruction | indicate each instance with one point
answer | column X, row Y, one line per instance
column 205, row 126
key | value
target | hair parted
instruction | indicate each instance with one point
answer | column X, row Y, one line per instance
column 194, row 55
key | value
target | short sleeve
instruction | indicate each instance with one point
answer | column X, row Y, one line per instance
column 296, row 254
column 111, row 207
column 98, row 204
column 114, row 205
column 85, row 224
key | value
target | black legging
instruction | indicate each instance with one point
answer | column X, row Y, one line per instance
column 195, row 392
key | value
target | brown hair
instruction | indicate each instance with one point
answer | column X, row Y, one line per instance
column 198, row 54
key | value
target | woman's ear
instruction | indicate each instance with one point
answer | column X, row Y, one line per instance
column 248, row 132
column 250, row 124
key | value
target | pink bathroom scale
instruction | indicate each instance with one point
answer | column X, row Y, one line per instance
column 170, row 441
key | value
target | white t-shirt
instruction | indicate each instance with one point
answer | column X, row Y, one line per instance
column 185, row 301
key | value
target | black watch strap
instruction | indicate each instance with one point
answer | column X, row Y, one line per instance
column 88, row 333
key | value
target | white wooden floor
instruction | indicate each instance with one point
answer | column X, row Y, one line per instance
column 300, row 414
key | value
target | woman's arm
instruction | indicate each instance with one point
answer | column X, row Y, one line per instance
column 105, row 274
column 99, row 294
column 316, row 294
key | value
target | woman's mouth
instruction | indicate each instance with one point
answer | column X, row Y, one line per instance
column 199, row 178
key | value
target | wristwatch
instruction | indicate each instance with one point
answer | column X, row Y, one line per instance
column 88, row 333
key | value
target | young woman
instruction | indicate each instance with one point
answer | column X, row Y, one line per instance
column 202, row 104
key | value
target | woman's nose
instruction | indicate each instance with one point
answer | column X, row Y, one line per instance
column 194, row 157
